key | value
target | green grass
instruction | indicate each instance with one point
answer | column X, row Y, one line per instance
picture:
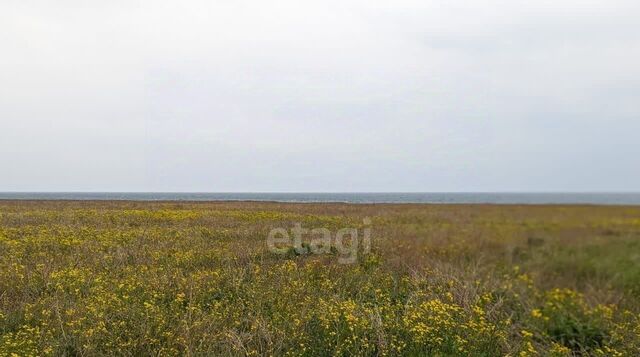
column 167, row 278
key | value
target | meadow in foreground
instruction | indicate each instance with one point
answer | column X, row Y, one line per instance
column 136, row 278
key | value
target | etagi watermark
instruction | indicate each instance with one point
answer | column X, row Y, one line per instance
column 345, row 243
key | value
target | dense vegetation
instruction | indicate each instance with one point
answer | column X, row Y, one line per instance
column 134, row 278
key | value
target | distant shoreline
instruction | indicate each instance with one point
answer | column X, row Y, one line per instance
column 618, row 198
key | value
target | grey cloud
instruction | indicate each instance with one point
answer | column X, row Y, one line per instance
column 319, row 96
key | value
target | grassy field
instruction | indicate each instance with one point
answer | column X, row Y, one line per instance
column 136, row 278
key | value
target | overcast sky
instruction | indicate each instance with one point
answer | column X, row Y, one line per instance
column 319, row 95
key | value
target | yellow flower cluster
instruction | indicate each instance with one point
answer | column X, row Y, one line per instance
column 105, row 278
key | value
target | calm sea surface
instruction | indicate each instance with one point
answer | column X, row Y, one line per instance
column 413, row 197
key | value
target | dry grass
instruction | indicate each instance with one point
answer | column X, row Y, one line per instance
column 167, row 278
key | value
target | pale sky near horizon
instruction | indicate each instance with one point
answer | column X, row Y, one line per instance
column 291, row 95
